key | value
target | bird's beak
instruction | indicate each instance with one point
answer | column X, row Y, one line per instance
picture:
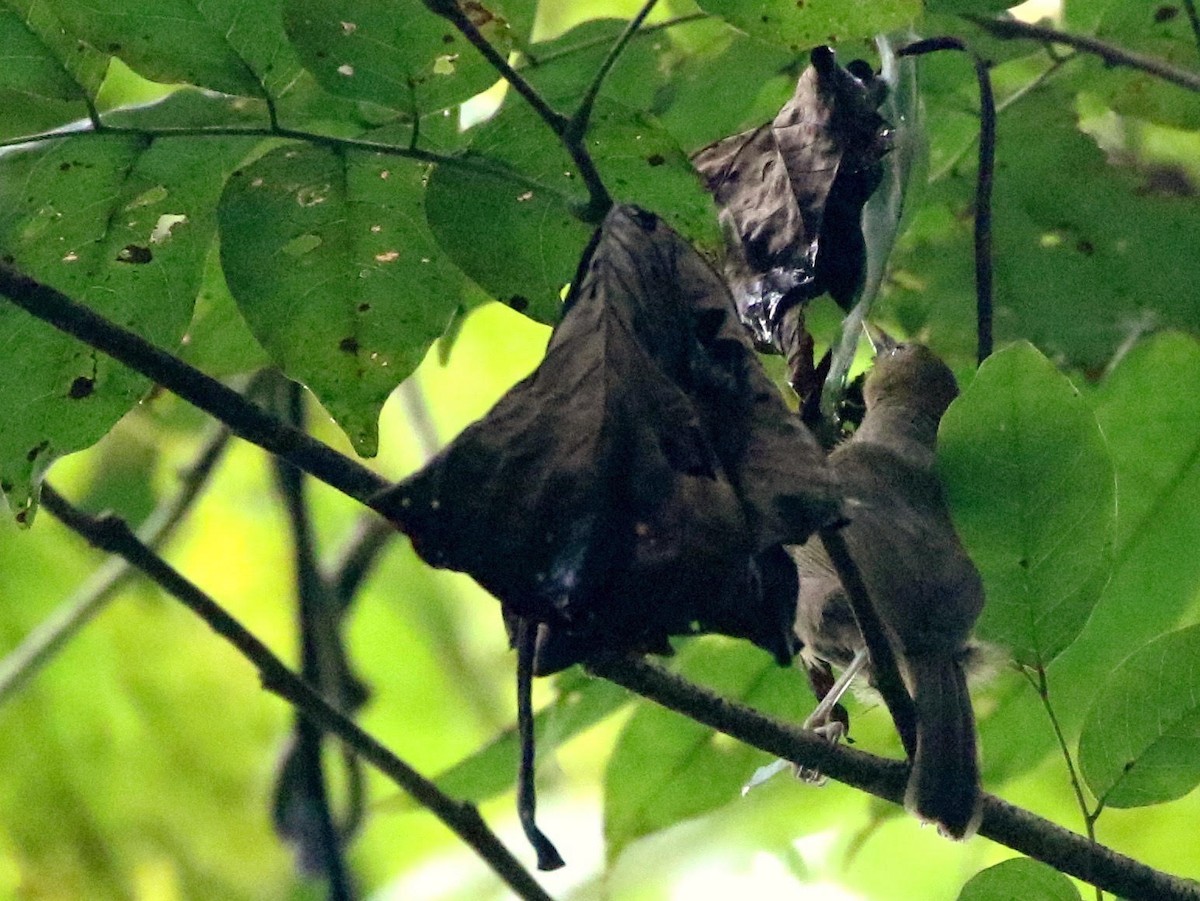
column 880, row 340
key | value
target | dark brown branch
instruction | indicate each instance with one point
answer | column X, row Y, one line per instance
column 1002, row 822
column 1012, row 29
column 983, row 187
column 599, row 200
column 243, row 418
column 885, row 674
column 113, row 536
column 577, row 127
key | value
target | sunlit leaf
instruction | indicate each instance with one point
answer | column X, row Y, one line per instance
column 329, row 258
column 1029, row 880
column 1031, row 488
column 1141, row 739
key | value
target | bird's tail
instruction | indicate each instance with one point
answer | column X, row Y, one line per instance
column 944, row 785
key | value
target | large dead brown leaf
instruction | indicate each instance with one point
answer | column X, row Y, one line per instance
column 640, row 482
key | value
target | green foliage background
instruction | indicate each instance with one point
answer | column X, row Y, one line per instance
column 139, row 763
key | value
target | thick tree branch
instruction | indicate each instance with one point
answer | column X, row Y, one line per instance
column 243, row 418
column 113, row 536
column 1012, row 29
column 1002, row 822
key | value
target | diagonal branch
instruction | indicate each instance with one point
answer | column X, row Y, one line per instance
column 112, row 535
column 1004, row 823
column 1012, row 29
column 243, row 418
column 599, row 200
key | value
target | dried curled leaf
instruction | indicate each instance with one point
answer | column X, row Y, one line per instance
column 639, row 483
column 791, row 194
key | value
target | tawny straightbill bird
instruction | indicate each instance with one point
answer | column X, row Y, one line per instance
column 923, row 585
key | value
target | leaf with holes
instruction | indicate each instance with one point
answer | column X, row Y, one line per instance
column 1031, row 488
column 504, row 213
column 135, row 256
column 331, row 263
column 1141, row 739
column 396, row 52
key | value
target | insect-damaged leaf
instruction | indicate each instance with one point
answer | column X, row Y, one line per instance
column 791, row 194
column 638, row 484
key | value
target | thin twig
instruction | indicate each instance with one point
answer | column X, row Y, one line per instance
column 599, row 200
column 534, row 62
column 1042, row 687
column 52, row 634
column 578, row 125
column 1002, row 822
column 467, row 162
column 885, row 674
column 110, row 534
column 200, row 390
column 1012, row 29
column 983, row 187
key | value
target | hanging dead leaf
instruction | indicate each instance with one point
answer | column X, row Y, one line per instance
column 639, row 483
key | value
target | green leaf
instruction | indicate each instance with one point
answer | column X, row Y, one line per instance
column 1087, row 254
column 218, row 340
column 329, row 258
column 1161, row 31
column 172, row 40
column 41, row 86
column 1031, row 489
column 504, row 213
column 1029, row 880
column 666, row 768
column 961, row 7
column 1141, row 739
column 801, row 26
column 122, row 224
column 1148, row 409
column 395, row 52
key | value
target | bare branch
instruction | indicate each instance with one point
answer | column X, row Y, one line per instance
column 112, row 535
column 1002, row 822
column 242, row 417
column 1010, row 29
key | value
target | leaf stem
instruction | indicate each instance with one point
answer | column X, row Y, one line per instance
column 1012, row 29
column 885, row 674
column 1041, row 685
column 577, row 127
column 112, row 535
column 983, row 187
